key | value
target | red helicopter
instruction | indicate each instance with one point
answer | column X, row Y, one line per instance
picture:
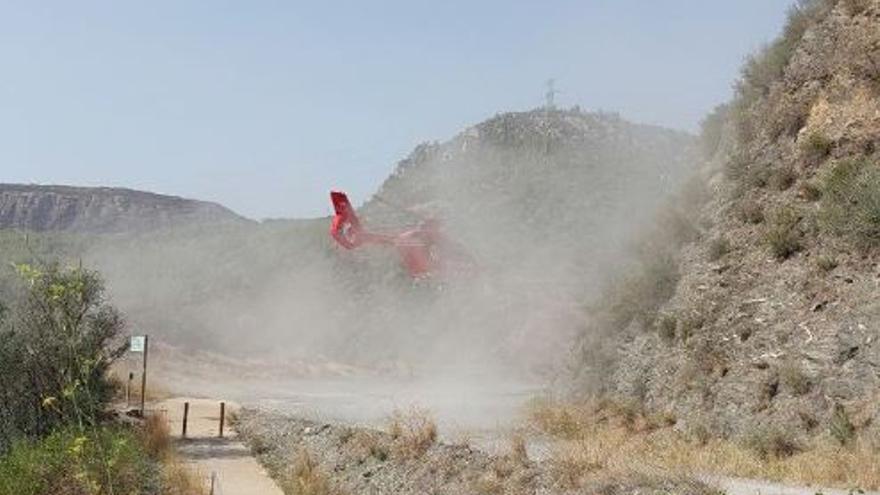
column 424, row 250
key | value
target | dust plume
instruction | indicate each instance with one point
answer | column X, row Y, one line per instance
column 543, row 202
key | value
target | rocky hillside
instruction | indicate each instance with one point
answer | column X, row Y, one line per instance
column 563, row 177
column 103, row 209
column 765, row 320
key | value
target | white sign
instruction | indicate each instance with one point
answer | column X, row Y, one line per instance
column 137, row 343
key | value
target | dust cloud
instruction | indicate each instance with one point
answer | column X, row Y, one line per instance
column 543, row 202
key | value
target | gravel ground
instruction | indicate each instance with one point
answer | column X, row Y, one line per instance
column 354, row 460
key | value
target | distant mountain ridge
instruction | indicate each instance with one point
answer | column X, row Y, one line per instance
column 47, row 208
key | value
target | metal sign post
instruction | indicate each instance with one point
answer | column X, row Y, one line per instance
column 128, row 390
column 141, row 343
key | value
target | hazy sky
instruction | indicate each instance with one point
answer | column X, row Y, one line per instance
column 264, row 106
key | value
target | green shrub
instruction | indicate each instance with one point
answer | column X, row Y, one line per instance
column 737, row 167
column 718, row 247
column 841, row 428
column 689, row 327
column 783, row 178
column 811, row 191
column 817, row 147
column 856, row 7
column 783, row 235
column 666, row 327
column 55, row 349
column 751, row 212
column 826, row 263
column 758, row 176
column 700, row 433
column 770, row 442
column 793, row 377
column 640, row 293
column 70, row 460
column 851, row 201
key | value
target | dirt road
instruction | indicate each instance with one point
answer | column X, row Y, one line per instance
column 227, row 460
column 737, row 486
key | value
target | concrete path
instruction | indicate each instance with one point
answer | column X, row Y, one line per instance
column 235, row 470
column 738, row 486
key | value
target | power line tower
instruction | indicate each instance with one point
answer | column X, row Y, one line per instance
column 550, row 95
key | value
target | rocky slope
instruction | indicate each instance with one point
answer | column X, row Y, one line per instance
column 770, row 325
column 100, row 210
column 522, row 182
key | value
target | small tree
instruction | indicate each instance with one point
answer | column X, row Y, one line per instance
column 56, row 346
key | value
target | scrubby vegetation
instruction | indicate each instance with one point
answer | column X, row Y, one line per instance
column 58, row 338
column 75, row 461
column 604, row 435
column 766, row 67
column 783, row 235
column 851, row 201
column 718, row 247
column 57, row 345
column 97, row 461
column 306, row 477
column 817, row 147
column 751, row 212
column 650, row 280
column 738, row 348
column 413, row 433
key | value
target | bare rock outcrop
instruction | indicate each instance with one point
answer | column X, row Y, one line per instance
column 100, row 210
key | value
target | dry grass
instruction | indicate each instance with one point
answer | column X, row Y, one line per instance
column 369, row 444
column 489, row 484
column 232, row 418
column 642, row 482
column 518, row 452
column 826, row 263
column 156, row 436
column 773, row 442
column 307, row 478
column 178, row 479
column 603, row 437
column 413, row 431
